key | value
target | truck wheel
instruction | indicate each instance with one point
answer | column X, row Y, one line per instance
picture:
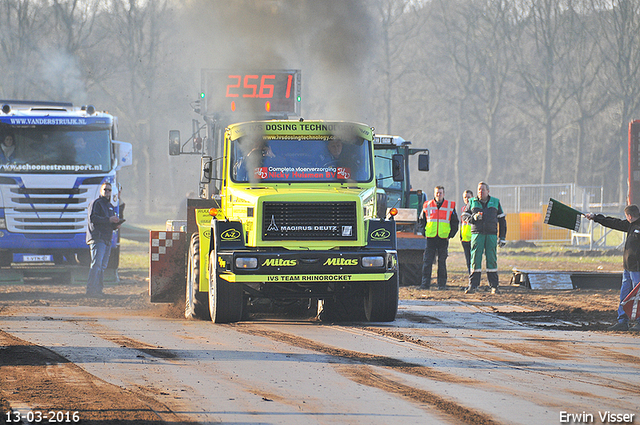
column 196, row 302
column 381, row 300
column 225, row 299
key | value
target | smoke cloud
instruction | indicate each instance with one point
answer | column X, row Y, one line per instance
column 330, row 41
column 63, row 76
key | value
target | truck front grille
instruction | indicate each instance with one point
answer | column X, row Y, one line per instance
column 309, row 221
column 45, row 210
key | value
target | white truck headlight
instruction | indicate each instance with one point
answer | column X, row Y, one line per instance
column 377, row 261
column 246, row 263
column 3, row 223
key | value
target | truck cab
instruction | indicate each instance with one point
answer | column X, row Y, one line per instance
column 59, row 157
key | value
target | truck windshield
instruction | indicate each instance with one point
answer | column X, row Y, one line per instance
column 55, row 150
column 300, row 160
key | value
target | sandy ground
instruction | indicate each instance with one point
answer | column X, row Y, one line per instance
column 50, row 380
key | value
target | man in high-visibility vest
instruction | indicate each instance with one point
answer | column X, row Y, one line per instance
column 441, row 225
column 465, row 230
column 488, row 231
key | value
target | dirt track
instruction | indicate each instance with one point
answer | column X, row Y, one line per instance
column 36, row 377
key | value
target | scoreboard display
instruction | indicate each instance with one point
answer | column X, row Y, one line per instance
column 258, row 93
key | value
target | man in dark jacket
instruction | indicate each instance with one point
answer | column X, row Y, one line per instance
column 102, row 221
column 488, row 230
column 630, row 258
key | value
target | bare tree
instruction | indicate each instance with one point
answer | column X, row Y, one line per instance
column 20, row 32
column 478, row 34
column 440, row 76
column 619, row 44
column 66, row 57
column 540, row 63
column 140, row 29
column 583, row 72
column 74, row 21
column 400, row 24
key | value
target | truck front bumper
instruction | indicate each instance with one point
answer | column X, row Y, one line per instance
column 306, row 267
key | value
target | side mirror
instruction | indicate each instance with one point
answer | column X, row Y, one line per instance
column 381, row 204
column 423, row 162
column 123, row 153
column 205, row 169
column 397, row 166
column 174, row 142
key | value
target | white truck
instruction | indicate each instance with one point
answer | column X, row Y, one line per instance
column 53, row 159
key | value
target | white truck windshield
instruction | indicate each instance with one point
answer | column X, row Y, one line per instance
column 300, row 160
column 54, row 150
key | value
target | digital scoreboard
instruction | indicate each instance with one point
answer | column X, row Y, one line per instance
column 258, row 93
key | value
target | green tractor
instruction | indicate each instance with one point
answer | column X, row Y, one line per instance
column 406, row 200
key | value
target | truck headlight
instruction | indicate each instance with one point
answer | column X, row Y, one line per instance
column 377, row 261
column 246, row 263
column 3, row 223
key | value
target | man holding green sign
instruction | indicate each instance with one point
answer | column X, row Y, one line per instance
column 631, row 258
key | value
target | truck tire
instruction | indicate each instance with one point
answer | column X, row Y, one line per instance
column 196, row 302
column 225, row 299
column 381, row 300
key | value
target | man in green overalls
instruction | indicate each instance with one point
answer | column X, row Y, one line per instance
column 488, row 230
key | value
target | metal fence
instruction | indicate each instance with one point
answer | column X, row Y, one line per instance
column 526, row 205
column 532, row 198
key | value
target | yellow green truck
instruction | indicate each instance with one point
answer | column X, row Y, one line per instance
column 293, row 222
column 288, row 211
